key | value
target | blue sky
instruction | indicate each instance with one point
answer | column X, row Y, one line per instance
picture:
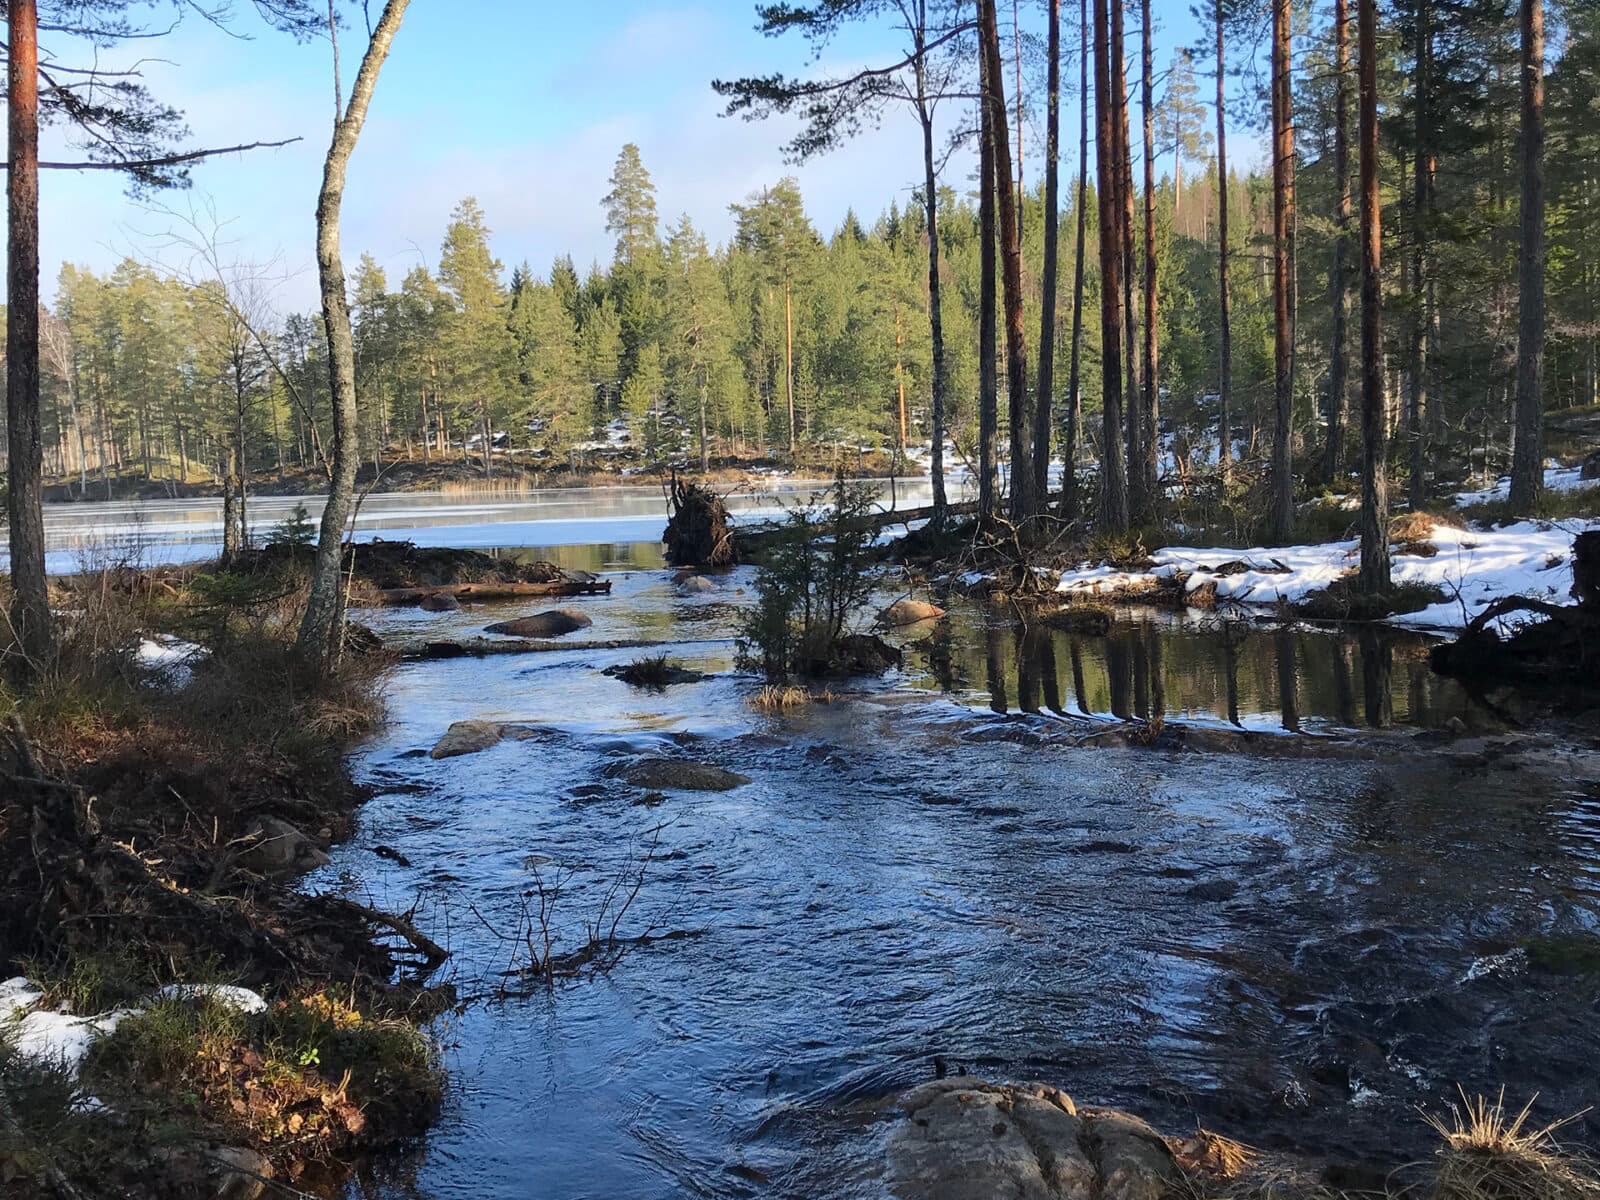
column 522, row 105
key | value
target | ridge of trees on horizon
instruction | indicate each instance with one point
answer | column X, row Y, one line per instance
column 1223, row 297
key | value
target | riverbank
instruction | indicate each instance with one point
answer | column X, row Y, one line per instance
column 180, row 1017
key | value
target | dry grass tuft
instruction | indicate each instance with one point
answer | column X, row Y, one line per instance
column 1491, row 1153
column 775, row 698
column 1217, row 1156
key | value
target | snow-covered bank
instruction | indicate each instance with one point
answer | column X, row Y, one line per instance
column 1556, row 479
column 1471, row 567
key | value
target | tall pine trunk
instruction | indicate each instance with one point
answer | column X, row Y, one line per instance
column 1421, row 227
column 1152, row 393
column 30, row 594
column 1373, row 579
column 930, row 187
column 1224, row 315
column 988, row 383
column 1138, row 509
column 1069, row 442
column 1527, row 458
column 320, row 630
column 1044, row 395
column 1113, row 477
column 1007, row 207
column 1282, row 510
column 1338, row 286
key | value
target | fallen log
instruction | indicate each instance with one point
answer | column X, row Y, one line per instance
column 488, row 647
column 754, row 538
column 485, row 591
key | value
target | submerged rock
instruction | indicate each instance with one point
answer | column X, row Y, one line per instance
column 909, row 612
column 554, row 623
column 964, row 1139
column 466, row 737
column 679, row 774
column 279, row 848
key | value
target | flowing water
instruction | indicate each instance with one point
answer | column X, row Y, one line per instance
column 940, row 872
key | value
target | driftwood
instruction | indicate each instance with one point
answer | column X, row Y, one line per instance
column 489, row 591
column 487, row 647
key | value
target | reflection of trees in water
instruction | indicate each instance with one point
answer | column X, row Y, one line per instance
column 1149, row 669
column 1377, row 667
column 1288, row 678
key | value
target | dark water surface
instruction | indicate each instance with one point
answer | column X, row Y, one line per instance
column 1294, row 951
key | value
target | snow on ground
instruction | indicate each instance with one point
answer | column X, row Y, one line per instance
column 1472, row 567
column 1556, row 479
column 60, row 1039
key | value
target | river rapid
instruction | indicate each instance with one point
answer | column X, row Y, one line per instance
column 939, row 872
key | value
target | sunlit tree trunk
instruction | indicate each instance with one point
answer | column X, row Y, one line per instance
column 988, row 383
column 1224, row 315
column 320, row 629
column 1152, row 395
column 1283, row 226
column 1044, row 394
column 1069, row 441
column 1527, row 458
column 1374, row 572
column 1113, row 480
column 30, row 595
column 1338, row 287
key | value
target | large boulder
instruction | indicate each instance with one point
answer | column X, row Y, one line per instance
column 964, row 1139
column 440, row 602
column 274, row 847
column 679, row 774
column 695, row 585
column 466, row 737
column 908, row 612
column 554, row 623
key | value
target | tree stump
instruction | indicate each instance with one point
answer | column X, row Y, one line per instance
column 698, row 533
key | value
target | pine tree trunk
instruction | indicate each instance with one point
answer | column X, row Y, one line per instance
column 788, row 355
column 1044, row 393
column 30, row 598
column 1224, row 316
column 1069, row 452
column 1138, row 507
column 1282, row 513
column 1006, row 210
column 1421, row 206
column 1527, row 459
column 1338, row 288
column 1373, row 579
column 988, row 383
column 1152, row 394
column 935, row 315
column 320, row 629
column 1113, row 477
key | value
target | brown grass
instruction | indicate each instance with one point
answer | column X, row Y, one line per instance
column 777, row 698
column 1493, row 1153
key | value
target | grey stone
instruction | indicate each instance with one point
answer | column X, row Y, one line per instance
column 440, row 602
column 909, row 612
column 275, row 847
column 554, row 623
column 466, row 737
column 679, row 774
column 965, row 1139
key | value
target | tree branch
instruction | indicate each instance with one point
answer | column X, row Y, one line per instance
column 168, row 160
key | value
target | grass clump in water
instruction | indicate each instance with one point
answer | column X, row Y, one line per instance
column 780, row 698
column 1493, row 1153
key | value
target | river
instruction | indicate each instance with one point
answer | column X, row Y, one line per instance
column 936, row 872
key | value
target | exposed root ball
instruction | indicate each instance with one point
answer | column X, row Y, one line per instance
column 698, row 533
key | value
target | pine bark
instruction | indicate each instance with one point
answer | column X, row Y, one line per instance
column 1422, row 223
column 1138, row 508
column 1282, row 511
column 320, row 628
column 1373, row 578
column 930, row 188
column 1224, row 314
column 1070, row 502
column 1044, row 395
column 1113, row 479
column 988, row 383
column 1152, row 392
column 1527, row 458
column 1023, row 504
column 30, row 594
column 1338, row 286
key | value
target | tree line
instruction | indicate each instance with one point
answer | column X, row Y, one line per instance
column 1224, row 343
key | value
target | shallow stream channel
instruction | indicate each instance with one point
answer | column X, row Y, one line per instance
column 945, row 870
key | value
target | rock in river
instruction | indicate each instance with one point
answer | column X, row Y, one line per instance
column 554, row 623
column 909, row 612
column 440, row 602
column 695, row 585
column 466, row 737
column 679, row 774
column 964, row 1139
column 278, row 848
